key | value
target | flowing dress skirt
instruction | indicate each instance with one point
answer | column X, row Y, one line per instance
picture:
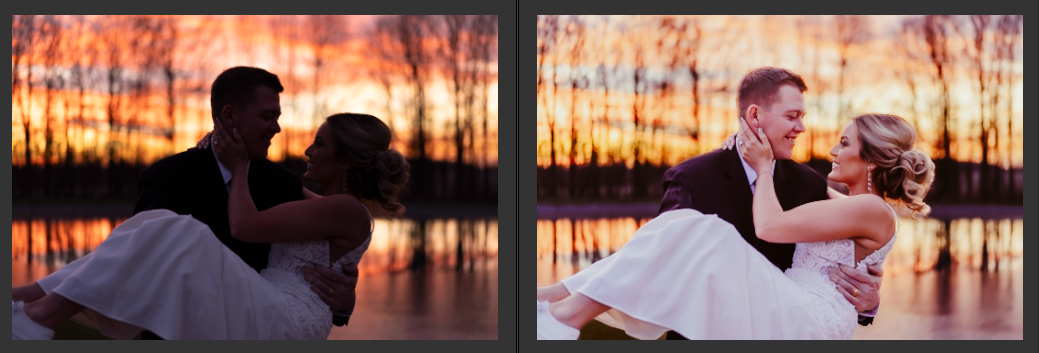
column 169, row 274
column 694, row 274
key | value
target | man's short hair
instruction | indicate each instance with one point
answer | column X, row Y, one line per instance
column 237, row 86
column 761, row 87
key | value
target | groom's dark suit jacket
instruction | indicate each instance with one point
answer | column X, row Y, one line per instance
column 189, row 183
column 716, row 183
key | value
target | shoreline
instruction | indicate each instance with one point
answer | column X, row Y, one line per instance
column 124, row 209
column 646, row 209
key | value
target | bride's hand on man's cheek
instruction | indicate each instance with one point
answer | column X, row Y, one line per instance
column 754, row 146
column 229, row 147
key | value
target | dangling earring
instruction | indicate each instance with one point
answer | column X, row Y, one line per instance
column 869, row 179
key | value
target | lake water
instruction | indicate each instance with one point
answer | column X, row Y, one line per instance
column 954, row 278
column 430, row 278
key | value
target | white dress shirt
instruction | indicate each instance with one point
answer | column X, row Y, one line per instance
column 752, row 175
column 226, row 173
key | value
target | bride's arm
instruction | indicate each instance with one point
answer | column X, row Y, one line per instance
column 834, row 194
column 825, row 220
column 341, row 216
column 817, row 221
column 310, row 195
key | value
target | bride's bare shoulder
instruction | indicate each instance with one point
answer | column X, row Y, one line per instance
column 878, row 210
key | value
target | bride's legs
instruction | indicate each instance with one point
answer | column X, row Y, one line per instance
column 577, row 310
column 52, row 310
column 553, row 293
column 28, row 294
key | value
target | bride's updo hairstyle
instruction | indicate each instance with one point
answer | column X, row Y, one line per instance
column 902, row 173
column 377, row 172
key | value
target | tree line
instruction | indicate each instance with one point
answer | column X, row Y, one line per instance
column 620, row 99
column 97, row 98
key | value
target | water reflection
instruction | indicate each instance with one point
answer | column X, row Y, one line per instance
column 397, row 245
column 434, row 278
column 922, row 245
column 944, row 279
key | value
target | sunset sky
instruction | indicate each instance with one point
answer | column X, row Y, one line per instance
column 731, row 46
column 206, row 45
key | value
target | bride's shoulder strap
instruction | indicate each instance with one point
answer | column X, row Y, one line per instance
column 370, row 218
column 895, row 213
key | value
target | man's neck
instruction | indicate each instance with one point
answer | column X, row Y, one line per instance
column 224, row 171
column 752, row 175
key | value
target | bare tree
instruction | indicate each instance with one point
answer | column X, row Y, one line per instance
column 692, row 50
column 549, row 38
column 640, row 87
column 610, row 60
column 113, row 61
column 932, row 32
column 907, row 51
column 1007, row 35
column 461, row 85
column 850, row 31
column 326, row 34
column 936, row 30
column 811, row 30
column 575, row 30
column 24, row 37
column 412, row 30
column 670, row 46
column 547, row 27
column 165, row 45
column 52, row 38
column 485, row 29
column 285, row 29
column 980, row 24
column 385, row 68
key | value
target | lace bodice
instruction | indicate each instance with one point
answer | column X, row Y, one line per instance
column 811, row 264
column 285, row 271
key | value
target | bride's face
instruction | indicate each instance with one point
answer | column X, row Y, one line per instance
column 848, row 166
column 322, row 165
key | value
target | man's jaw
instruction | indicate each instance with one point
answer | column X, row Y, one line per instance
column 786, row 146
column 790, row 139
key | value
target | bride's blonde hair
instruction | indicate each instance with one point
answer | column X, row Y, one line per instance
column 377, row 172
column 903, row 173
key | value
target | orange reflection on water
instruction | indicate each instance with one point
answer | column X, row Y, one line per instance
column 966, row 243
column 401, row 244
column 396, row 245
column 55, row 243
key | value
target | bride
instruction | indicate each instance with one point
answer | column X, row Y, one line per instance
column 692, row 273
column 169, row 274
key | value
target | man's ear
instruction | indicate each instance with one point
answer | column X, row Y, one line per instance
column 752, row 116
column 227, row 116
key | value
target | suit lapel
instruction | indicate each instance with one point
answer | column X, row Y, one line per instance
column 257, row 186
column 782, row 187
column 214, row 181
column 738, row 187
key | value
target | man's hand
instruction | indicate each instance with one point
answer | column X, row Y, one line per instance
column 861, row 289
column 334, row 288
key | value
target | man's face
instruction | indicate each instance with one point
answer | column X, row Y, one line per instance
column 257, row 122
column 782, row 121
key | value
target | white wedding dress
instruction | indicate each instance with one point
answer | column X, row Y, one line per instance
column 694, row 274
column 169, row 274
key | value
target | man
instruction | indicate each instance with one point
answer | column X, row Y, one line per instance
column 195, row 183
column 722, row 183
